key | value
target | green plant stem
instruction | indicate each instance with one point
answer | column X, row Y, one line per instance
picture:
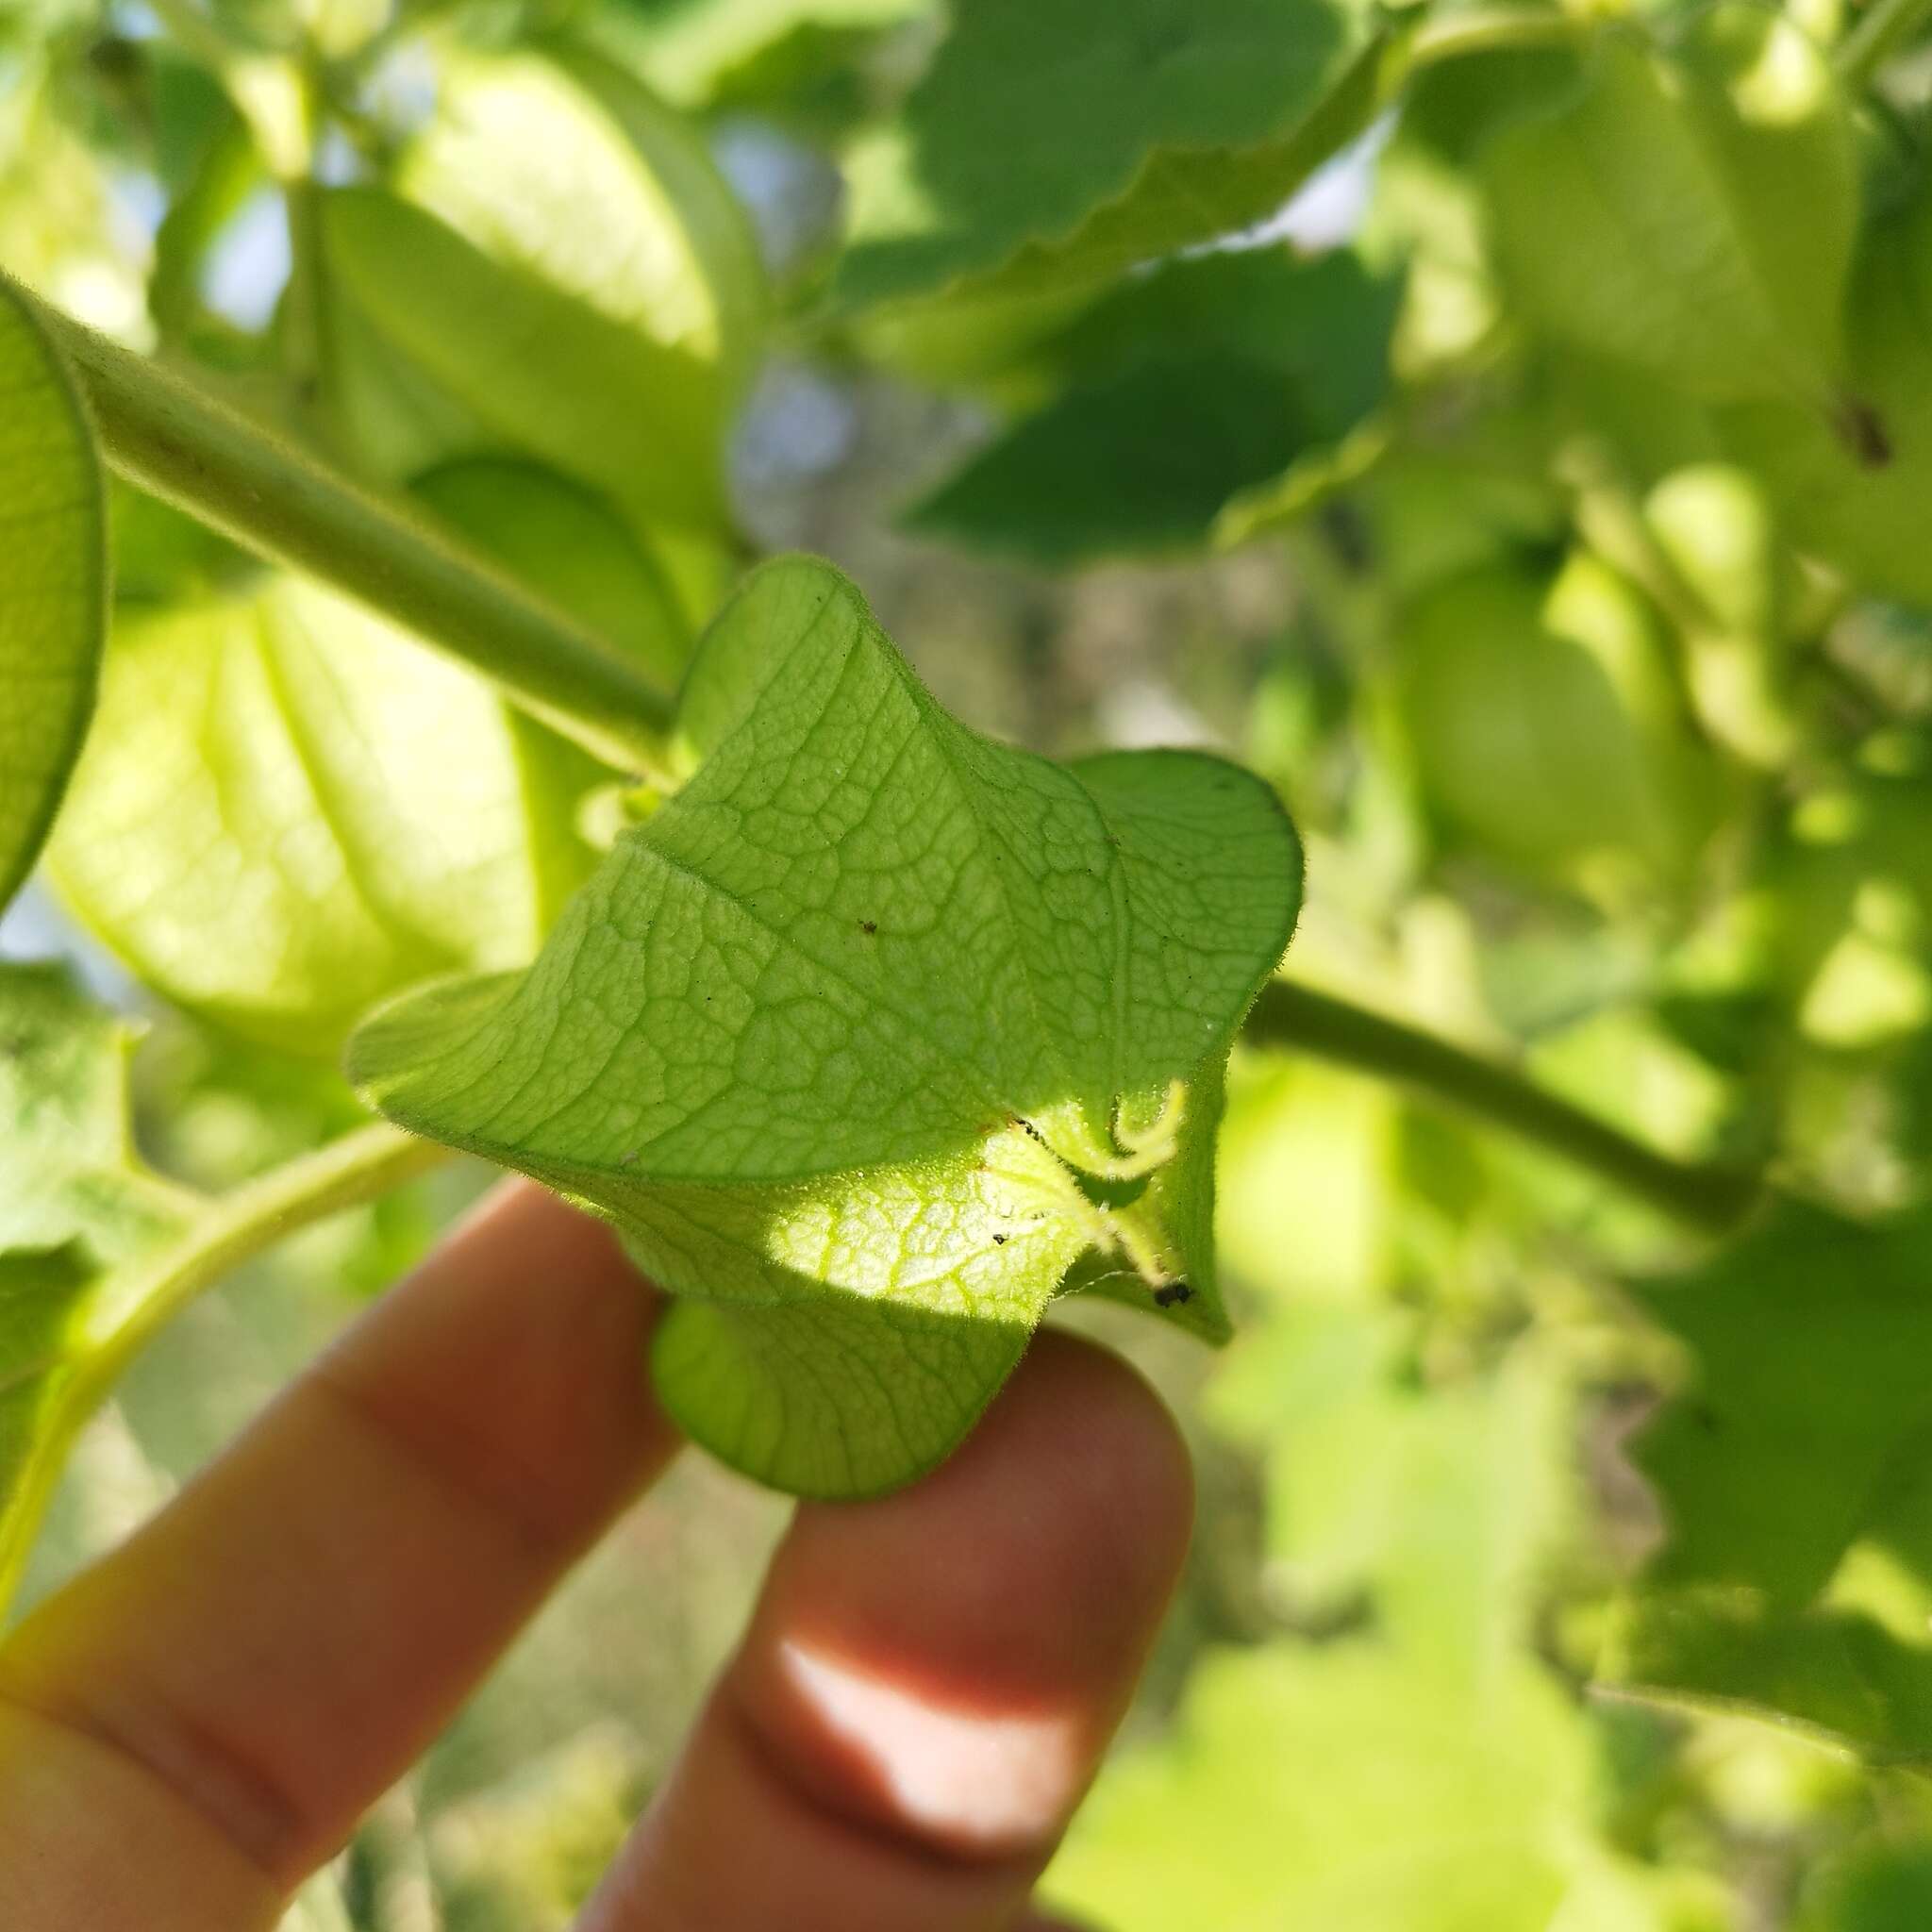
column 1492, row 30
column 170, row 437
column 1884, row 28
column 1706, row 1195
column 220, row 1234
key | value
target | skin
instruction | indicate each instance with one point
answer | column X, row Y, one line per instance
column 193, row 1727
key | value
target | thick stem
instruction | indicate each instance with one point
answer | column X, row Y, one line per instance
column 227, row 1231
column 1706, row 1195
column 169, row 437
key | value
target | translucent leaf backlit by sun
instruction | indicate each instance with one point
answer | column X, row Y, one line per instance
column 563, row 273
column 868, row 1036
column 53, row 584
column 289, row 810
column 1052, row 144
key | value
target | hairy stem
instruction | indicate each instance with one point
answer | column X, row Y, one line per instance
column 168, row 436
column 221, row 1235
column 1884, row 27
column 1704, row 1195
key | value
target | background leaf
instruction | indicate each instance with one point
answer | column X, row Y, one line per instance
column 1797, row 1576
column 1044, row 154
column 1183, row 389
column 53, row 584
column 295, row 854
column 1692, row 210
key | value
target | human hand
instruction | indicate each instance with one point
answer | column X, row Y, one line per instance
column 193, row 1726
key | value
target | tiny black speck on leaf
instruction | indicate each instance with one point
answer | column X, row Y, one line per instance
column 1862, row 431
column 868, row 926
column 999, row 1241
column 1175, row 1292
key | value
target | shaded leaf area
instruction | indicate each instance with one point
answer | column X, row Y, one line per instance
column 1048, row 147
column 866, row 1036
column 77, row 1212
column 53, row 584
column 1183, row 390
column 1139, row 464
column 1797, row 1578
column 1879, row 1889
column 1689, row 210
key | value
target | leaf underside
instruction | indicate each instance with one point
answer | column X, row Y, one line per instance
column 53, row 584
column 836, row 1038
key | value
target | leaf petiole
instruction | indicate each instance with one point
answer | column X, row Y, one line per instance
column 1706, row 1194
column 224, row 1233
column 171, row 438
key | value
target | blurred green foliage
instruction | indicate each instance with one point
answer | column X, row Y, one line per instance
column 1544, row 527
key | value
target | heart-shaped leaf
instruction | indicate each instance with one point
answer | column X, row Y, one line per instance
column 867, row 1037
column 53, row 584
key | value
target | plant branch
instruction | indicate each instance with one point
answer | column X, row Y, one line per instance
column 168, row 436
column 224, row 1233
column 1884, row 28
column 1706, row 1194
column 1490, row 30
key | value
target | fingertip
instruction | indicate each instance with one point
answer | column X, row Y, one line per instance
column 950, row 1660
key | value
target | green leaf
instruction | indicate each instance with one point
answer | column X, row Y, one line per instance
column 76, row 1208
column 96, row 1251
column 1365, row 1463
column 1343, row 1787
column 53, row 584
column 1140, row 465
column 1853, row 486
column 536, row 371
column 1185, row 388
column 1691, row 210
column 1797, row 1578
column 289, row 810
column 562, row 165
column 866, row 1036
column 568, row 278
column 693, row 54
column 1884, row 1886
column 564, row 543
column 1049, row 146
column 1543, row 721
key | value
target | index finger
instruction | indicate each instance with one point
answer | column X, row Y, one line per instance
column 236, row 1685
